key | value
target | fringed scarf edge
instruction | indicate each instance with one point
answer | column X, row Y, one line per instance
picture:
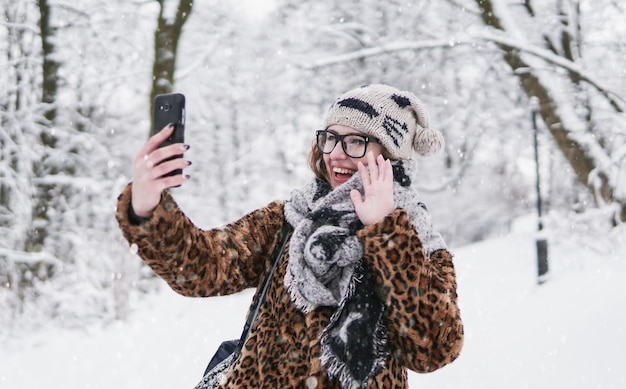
column 335, row 366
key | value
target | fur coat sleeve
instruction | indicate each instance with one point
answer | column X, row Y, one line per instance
column 195, row 262
column 419, row 293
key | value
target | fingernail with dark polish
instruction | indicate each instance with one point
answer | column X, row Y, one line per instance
column 188, row 163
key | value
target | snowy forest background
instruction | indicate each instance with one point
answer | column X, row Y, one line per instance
column 77, row 80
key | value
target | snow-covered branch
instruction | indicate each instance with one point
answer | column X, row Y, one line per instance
column 615, row 99
column 30, row 258
column 378, row 50
column 20, row 26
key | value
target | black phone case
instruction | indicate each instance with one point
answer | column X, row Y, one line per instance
column 170, row 108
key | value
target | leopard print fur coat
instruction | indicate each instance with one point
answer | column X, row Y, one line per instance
column 425, row 331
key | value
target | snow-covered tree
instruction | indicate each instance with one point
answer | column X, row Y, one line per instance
column 546, row 46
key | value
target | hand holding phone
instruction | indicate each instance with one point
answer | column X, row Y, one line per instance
column 170, row 109
column 152, row 166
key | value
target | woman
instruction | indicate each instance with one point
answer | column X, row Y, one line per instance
column 365, row 288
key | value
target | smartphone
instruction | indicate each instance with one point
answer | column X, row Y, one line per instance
column 170, row 108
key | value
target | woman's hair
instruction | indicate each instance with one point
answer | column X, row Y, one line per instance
column 316, row 163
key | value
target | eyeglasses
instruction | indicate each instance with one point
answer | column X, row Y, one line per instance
column 354, row 145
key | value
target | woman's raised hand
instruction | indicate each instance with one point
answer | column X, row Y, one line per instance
column 149, row 170
column 378, row 187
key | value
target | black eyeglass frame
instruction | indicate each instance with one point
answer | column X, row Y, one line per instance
column 340, row 139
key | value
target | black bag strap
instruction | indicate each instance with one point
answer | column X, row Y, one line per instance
column 254, row 311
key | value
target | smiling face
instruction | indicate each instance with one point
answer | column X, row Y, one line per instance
column 339, row 166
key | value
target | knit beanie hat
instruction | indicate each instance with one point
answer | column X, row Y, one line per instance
column 397, row 118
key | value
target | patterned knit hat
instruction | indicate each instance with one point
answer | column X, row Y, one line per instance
column 397, row 118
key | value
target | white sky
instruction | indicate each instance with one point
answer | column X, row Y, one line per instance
column 255, row 9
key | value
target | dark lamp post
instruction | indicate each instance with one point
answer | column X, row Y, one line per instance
column 541, row 241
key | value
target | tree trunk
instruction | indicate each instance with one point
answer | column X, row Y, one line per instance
column 583, row 152
column 50, row 68
column 166, row 38
column 50, row 80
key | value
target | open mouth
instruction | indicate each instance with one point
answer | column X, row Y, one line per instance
column 342, row 173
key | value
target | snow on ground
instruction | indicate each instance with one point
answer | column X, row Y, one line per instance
column 569, row 332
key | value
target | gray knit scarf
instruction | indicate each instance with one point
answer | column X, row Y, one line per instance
column 326, row 269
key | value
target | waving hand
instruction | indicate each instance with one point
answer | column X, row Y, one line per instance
column 377, row 180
